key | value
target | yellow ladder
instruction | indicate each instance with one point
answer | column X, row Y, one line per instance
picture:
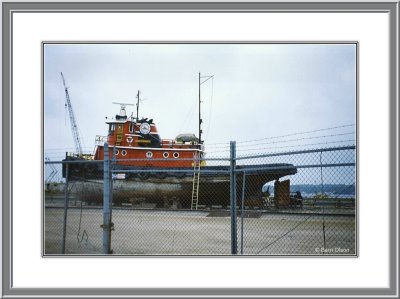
column 196, row 181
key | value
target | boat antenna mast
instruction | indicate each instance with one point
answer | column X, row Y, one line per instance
column 206, row 78
column 137, row 105
column 123, row 106
column 74, row 126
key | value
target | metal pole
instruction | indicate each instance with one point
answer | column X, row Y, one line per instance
column 137, row 105
column 323, row 226
column 106, row 202
column 200, row 120
column 233, row 198
column 113, row 162
column 242, row 213
column 66, row 200
column 322, row 179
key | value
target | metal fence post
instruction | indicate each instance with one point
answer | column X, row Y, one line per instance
column 106, row 202
column 66, row 202
column 233, row 198
column 113, row 160
column 242, row 213
column 322, row 178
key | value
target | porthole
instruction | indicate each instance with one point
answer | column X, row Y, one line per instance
column 176, row 155
column 116, row 152
column 123, row 152
column 165, row 154
column 129, row 139
column 149, row 155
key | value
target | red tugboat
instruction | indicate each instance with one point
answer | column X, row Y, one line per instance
column 132, row 138
column 160, row 171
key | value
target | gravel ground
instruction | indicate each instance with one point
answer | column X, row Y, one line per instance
column 150, row 232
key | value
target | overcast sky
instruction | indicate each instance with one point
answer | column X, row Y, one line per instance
column 259, row 91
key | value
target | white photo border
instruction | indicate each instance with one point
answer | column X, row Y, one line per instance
column 11, row 10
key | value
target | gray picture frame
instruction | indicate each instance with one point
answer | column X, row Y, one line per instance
column 8, row 8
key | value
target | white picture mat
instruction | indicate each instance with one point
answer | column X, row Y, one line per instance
column 371, row 269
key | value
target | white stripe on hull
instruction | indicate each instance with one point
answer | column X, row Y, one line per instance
column 156, row 148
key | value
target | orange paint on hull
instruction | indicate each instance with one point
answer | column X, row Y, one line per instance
column 151, row 157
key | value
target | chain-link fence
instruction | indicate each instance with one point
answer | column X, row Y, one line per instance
column 289, row 203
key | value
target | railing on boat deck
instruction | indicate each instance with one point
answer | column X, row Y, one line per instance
column 167, row 142
column 100, row 140
column 172, row 142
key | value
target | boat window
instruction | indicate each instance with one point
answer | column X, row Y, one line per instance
column 176, row 155
column 131, row 126
column 123, row 152
column 165, row 154
column 149, row 155
column 111, row 129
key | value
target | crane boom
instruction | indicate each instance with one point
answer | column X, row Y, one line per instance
column 74, row 127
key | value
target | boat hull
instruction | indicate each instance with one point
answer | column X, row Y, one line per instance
column 174, row 186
